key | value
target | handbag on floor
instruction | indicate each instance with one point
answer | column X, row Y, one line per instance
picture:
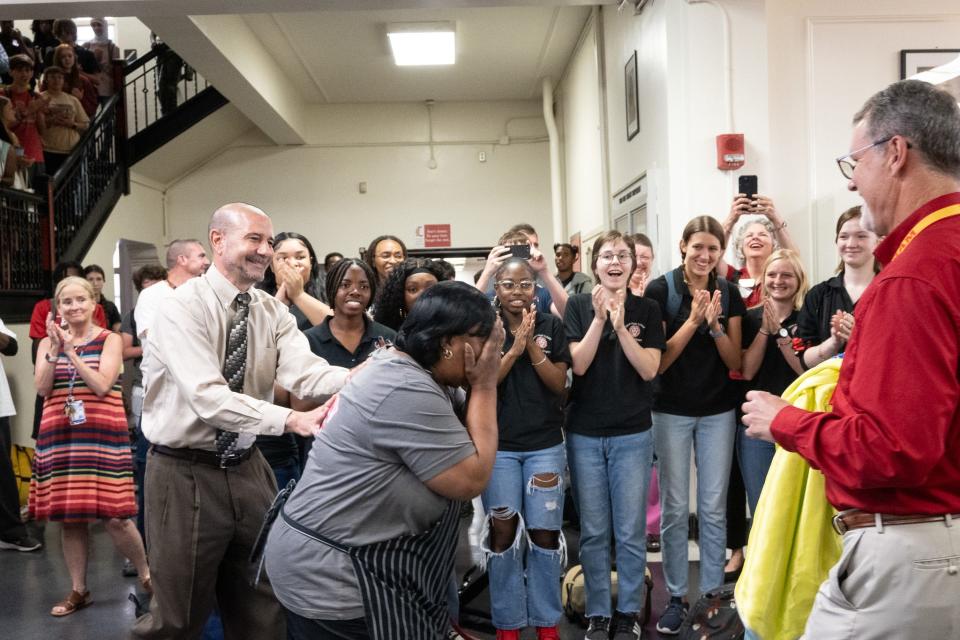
column 573, row 594
column 713, row 617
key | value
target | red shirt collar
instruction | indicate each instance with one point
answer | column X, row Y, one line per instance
column 886, row 249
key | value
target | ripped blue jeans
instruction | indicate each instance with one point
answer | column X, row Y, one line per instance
column 525, row 578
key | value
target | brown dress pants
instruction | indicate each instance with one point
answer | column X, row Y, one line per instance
column 201, row 525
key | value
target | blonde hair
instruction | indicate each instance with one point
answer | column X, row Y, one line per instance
column 73, row 281
column 793, row 258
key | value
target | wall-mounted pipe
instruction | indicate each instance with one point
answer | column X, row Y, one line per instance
column 556, row 178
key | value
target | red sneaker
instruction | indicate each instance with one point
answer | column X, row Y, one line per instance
column 548, row 633
column 509, row 634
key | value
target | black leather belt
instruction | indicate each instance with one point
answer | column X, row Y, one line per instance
column 203, row 456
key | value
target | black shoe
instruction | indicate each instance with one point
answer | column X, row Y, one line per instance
column 653, row 543
column 732, row 576
column 625, row 627
column 599, row 629
column 26, row 542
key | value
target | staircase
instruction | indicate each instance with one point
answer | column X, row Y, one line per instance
column 38, row 230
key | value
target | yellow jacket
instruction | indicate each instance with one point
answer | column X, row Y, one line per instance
column 792, row 542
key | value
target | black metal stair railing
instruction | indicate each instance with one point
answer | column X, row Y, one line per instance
column 24, row 239
column 155, row 84
column 88, row 185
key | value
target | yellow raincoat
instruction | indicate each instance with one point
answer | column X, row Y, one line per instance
column 792, row 542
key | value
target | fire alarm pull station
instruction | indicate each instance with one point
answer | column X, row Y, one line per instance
column 730, row 151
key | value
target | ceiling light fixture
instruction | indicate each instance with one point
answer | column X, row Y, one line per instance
column 422, row 43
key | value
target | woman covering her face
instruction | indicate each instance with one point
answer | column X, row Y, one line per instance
column 374, row 518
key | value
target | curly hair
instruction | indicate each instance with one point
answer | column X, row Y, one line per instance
column 390, row 309
column 741, row 234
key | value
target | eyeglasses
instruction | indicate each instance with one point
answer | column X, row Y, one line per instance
column 609, row 258
column 847, row 164
column 510, row 285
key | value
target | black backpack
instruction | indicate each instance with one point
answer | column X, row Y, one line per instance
column 713, row 617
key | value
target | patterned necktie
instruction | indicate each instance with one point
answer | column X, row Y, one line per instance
column 234, row 366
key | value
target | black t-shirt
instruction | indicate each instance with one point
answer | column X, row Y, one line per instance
column 324, row 344
column 113, row 314
column 819, row 305
column 528, row 413
column 774, row 375
column 610, row 398
column 698, row 382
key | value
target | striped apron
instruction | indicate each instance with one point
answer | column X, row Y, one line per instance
column 403, row 581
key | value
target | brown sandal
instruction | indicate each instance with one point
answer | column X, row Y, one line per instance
column 74, row 602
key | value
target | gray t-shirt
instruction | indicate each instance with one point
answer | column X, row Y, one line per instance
column 392, row 429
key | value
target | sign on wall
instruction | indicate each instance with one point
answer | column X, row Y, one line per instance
column 434, row 236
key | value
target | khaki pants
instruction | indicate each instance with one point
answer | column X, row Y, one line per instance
column 201, row 525
column 900, row 581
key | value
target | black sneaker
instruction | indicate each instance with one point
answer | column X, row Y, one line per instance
column 599, row 629
column 672, row 618
column 26, row 542
column 625, row 627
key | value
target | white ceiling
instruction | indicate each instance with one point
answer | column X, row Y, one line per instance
column 343, row 56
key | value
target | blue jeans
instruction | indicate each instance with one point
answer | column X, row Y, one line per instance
column 712, row 439
column 755, row 457
column 610, row 477
column 516, row 602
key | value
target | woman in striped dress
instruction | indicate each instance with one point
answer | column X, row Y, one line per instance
column 83, row 470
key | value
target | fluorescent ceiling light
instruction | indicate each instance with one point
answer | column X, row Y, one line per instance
column 422, row 43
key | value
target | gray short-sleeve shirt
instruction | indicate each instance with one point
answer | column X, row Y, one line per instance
column 392, row 429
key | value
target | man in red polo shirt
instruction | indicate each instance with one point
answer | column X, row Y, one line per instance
column 889, row 449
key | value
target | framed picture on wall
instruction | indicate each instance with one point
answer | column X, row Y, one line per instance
column 913, row 61
column 632, row 97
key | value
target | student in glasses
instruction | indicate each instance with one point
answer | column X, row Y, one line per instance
column 616, row 341
column 524, row 545
column 694, row 408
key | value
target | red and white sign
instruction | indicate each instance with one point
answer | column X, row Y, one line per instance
column 436, row 235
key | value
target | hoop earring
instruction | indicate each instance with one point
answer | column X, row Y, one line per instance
column 447, row 354
column 496, row 302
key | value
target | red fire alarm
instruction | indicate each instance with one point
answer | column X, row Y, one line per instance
column 730, row 151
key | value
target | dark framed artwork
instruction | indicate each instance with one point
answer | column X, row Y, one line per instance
column 913, row 61
column 632, row 98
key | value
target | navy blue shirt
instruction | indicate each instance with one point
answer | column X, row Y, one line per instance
column 324, row 344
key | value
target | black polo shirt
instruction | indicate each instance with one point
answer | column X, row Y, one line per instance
column 610, row 398
column 698, row 382
column 324, row 344
column 111, row 312
column 774, row 375
column 528, row 413
column 821, row 302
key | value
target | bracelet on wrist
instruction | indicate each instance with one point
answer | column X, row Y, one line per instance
column 719, row 333
column 47, row 357
column 762, row 332
column 537, row 364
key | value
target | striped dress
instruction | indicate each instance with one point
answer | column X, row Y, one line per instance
column 83, row 472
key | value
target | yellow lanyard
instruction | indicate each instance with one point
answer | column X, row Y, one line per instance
column 936, row 216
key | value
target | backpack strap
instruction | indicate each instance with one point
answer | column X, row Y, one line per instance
column 674, row 297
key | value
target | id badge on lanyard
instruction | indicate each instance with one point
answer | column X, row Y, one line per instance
column 73, row 408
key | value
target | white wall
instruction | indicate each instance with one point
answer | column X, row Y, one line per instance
column 830, row 57
column 138, row 216
column 313, row 189
column 582, row 131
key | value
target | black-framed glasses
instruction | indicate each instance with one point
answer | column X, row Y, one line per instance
column 846, row 162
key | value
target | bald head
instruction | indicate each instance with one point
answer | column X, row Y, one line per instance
column 241, row 238
column 233, row 215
